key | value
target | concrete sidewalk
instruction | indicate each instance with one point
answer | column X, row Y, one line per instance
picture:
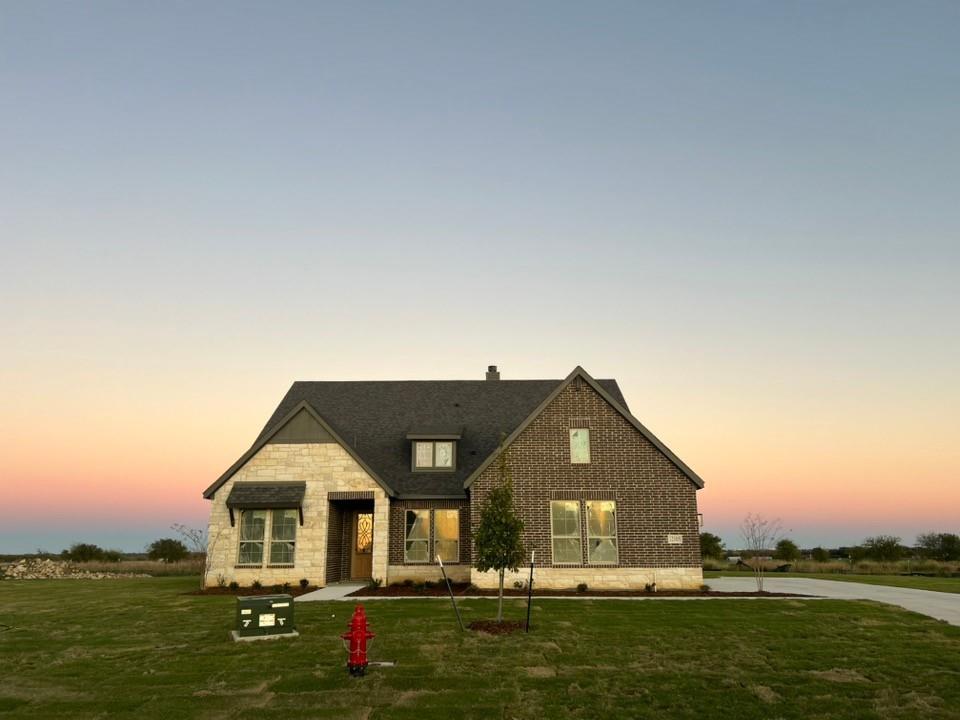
column 939, row 605
column 335, row 591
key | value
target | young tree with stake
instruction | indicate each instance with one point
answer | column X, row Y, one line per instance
column 498, row 538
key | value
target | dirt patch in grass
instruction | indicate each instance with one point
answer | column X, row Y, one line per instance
column 465, row 589
column 492, row 627
column 541, row 672
column 765, row 694
column 840, row 675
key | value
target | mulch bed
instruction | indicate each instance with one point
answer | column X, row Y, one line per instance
column 492, row 627
column 294, row 590
column 467, row 589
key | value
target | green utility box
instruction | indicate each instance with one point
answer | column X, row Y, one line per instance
column 261, row 617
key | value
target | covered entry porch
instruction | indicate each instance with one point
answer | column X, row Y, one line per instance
column 350, row 537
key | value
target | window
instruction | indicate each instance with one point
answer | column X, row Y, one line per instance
column 283, row 534
column 433, row 455
column 602, row 532
column 565, row 531
column 579, row 445
column 253, row 523
column 417, row 545
column 447, row 535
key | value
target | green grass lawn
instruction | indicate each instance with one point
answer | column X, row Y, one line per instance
column 918, row 582
column 141, row 649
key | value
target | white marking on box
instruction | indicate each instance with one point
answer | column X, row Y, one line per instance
column 286, row 604
column 268, row 620
column 674, row 539
column 246, row 611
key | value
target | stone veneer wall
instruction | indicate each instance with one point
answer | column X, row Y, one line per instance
column 325, row 467
column 654, row 498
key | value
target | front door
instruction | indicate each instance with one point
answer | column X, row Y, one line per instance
column 361, row 563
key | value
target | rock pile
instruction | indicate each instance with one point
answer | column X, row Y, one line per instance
column 47, row 569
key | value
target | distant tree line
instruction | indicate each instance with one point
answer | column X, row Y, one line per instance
column 881, row 548
column 164, row 549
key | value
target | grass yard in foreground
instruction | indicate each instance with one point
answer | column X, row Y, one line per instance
column 917, row 582
column 141, row 649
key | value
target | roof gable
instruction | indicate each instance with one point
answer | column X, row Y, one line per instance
column 614, row 402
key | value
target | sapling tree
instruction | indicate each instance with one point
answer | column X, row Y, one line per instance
column 760, row 535
column 498, row 538
column 201, row 544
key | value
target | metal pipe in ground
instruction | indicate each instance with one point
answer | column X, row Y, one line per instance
column 530, row 589
column 450, row 590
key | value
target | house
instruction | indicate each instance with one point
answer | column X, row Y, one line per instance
column 353, row 480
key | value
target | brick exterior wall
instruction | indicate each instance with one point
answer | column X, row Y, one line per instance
column 653, row 497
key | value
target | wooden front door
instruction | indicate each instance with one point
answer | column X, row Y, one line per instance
column 361, row 562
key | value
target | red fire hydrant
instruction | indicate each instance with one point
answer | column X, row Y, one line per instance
column 358, row 634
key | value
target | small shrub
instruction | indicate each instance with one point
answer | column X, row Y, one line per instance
column 704, row 588
column 278, row 588
column 582, row 587
column 256, row 585
column 650, row 587
column 407, row 583
column 304, row 583
column 429, row 584
column 286, row 587
column 234, row 585
column 376, row 582
column 221, row 580
column 519, row 584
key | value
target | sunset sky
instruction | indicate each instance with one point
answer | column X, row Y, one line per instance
column 748, row 213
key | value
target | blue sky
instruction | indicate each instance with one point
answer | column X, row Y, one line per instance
column 746, row 212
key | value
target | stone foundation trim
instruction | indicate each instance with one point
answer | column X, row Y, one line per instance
column 422, row 573
column 596, row 578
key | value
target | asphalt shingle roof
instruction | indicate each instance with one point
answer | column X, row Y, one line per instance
column 266, row 495
column 374, row 418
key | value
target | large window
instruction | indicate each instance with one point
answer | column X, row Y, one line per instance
column 433, row 455
column 253, row 523
column 579, row 446
column 447, row 535
column 283, row 536
column 565, row 531
column 602, row 532
column 417, row 538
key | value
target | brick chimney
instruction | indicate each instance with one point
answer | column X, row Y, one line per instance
column 492, row 372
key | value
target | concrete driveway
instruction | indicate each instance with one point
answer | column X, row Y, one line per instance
column 939, row 605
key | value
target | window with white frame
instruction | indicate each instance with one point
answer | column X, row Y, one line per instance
column 416, row 547
column 283, row 536
column 579, row 446
column 602, row 532
column 253, row 524
column 565, row 532
column 433, row 455
column 447, row 535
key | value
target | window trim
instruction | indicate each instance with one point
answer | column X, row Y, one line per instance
column 407, row 540
column 589, row 454
column 266, row 542
column 554, row 536
column 292, row 563
column 436, row 525
column 262, row 541
column 614, row 537
column 432, row 467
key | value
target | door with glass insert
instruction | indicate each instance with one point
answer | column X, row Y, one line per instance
column 361, row 565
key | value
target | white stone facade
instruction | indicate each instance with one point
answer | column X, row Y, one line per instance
column 597, row 578
column 326, row 468
column 422, row 573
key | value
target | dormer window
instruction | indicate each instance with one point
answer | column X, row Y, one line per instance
column 433, row 454
column 433, row 450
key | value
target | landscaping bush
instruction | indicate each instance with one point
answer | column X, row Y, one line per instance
column 234, row 585
column 304, row 583
column 582, row 587
column 256, row 585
